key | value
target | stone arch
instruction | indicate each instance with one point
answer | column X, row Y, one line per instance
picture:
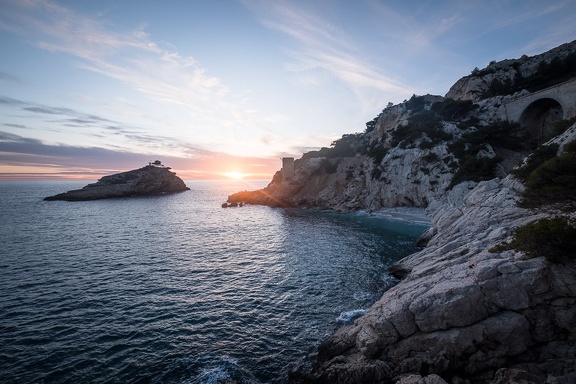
column 539, row 118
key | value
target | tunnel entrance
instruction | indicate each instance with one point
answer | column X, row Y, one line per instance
column 538, row 121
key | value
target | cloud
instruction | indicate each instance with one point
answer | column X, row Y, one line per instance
column 130, row 57
column 126, row 137
column 8, row 78
column 19, row 126
column 320, row 45
column 18, row 152
column 59, row 29
column 67, row 114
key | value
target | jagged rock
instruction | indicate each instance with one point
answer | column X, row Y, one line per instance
column 149, row 180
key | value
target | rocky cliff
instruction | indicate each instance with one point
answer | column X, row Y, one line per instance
column 412, row 152
column 149, row 180
column 466, row 308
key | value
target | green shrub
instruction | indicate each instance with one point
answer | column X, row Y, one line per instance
column 452, row 110
column 421, row 124
column 548, row 74
column 377, row 153
column 349, row 145
column 371, row 125
column 554, row 238
column 562, row 125
column 426, row 143
column 475, row 169
column 346, row 145
column 415, row 104
column 498, row 87
column 431, row 157
column 570, row 147
column 542, row 154
column 554, row 182
column 501, row 133
column 472, row 121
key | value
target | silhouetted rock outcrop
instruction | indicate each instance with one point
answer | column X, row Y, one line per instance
column 145, row 181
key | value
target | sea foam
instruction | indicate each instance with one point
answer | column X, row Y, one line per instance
column 348, row 316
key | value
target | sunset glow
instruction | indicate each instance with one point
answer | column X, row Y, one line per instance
column 90, row 88
column 235, row 175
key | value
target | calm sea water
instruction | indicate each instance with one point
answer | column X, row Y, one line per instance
column 175, row 289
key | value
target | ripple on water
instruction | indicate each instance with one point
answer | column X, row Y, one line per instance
column 174, row 289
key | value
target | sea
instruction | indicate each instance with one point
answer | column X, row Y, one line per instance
column 177, row 289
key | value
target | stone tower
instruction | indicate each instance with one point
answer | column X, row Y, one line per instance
column 287, row 168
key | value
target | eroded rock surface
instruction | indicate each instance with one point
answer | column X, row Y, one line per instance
column 463, row 311
column 146, row 181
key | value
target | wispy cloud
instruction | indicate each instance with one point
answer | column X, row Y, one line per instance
column 19, row 126
column 130, row 57
column 322, row 46
column 126, row 137
column 8, row 78
column 529, row 11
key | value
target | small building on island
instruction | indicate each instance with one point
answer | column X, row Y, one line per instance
column 157, row 163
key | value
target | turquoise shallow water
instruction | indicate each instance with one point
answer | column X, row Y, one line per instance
column 175, row 289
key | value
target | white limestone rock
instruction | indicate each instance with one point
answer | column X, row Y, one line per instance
column 461, row 307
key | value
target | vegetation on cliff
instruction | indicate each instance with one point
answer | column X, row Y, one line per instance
column 554, row 238
column 548, row 73
column 550, row 181
column 553, row 182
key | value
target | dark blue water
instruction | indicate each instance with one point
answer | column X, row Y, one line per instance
column 175, row 289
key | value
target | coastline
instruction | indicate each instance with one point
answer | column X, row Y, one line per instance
column 460, row 310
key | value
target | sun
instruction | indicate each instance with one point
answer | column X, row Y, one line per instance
column 234, row 175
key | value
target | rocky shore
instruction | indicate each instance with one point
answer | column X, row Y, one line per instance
column 145, row 181
column 463, row 313
column 465, row 310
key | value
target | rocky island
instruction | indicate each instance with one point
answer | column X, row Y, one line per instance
column 153, row 179
column 491, row 297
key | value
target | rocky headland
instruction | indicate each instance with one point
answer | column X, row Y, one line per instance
column 491, row 297
column 146, row 181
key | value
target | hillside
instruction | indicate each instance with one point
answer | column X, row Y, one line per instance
column 490, row 298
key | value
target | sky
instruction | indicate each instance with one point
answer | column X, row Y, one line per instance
column 225, row 88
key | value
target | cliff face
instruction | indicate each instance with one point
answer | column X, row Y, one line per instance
column 380, row 169
column 411, row 153
column 464, row 311
column 149, row 180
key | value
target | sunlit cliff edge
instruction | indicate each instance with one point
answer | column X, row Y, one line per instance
column 494, row 155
